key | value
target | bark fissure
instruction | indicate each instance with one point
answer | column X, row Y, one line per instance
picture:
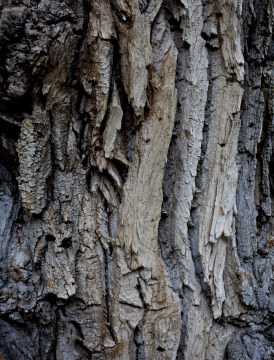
column 136, row 179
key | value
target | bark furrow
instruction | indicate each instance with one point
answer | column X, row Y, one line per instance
column 136, row 179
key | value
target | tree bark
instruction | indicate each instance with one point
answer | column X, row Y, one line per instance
column 136, row 179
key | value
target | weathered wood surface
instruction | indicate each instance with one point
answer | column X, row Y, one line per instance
column 136, row 179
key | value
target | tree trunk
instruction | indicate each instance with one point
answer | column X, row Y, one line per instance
column 136, row 179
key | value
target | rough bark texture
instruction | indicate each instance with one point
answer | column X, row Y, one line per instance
column 136, row 179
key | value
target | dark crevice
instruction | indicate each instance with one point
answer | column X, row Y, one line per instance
column 139, row 343
column 165, row 242
column 106, row 117
column 9, row 160
column 113, row 184
column 66, row 243
column 78, row 328
column 86, row 354
column 122, row 169
column 108, row 295
column 129, row 123
column 200, row 183
column 73, row 81
column 50, row 238
column 51, row 298
column 138, row 286
column 50, row 179
column 88, row 177
column 160, row 349
column 271, row 175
